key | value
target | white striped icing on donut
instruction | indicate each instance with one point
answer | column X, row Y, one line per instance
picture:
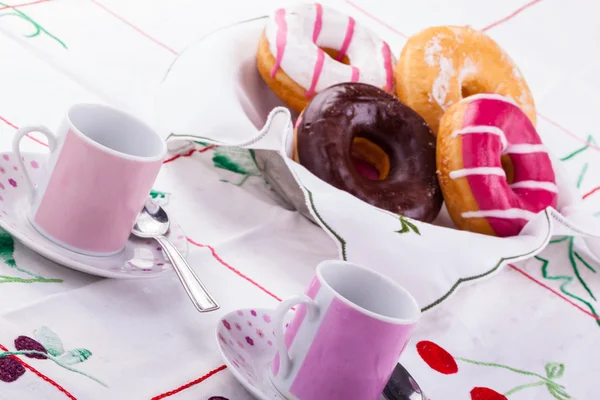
column 492, row 126
column 297, row 34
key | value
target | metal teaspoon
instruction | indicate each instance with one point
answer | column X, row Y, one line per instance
column 153, row 223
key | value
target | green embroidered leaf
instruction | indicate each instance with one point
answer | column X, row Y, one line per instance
column 554, row 370
column 407, row 226
column 412, row 226
column 236, row 160
column 404, row 227
column 557, row 392
column 161, row 198
column 156, row 194
column 50, row 341
column 74, row 356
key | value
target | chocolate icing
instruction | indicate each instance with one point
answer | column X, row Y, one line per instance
column 342, row 112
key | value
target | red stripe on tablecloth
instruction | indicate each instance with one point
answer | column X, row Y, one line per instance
column 7, row 122
column 235, row 271
column 511, row 15
column 350, row 3
column 189, row 153
column 190, row 384
column 141, row 32
column 31, row 3
column 44, row 377
column 591, row 192
column 568, row 132
column 531, row 278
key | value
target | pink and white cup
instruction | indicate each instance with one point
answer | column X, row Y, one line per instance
column 346, row 336
column 102, row 166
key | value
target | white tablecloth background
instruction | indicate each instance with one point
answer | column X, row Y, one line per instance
column 146, row 338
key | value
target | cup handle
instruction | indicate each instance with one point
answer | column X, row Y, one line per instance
column 285, row 362
column 17, row 140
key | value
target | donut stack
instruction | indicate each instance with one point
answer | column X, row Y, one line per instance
column 452, row 120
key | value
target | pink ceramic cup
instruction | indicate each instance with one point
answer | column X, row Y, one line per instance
column 346, row 336
column 102, row 166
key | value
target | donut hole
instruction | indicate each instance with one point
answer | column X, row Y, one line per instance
column 334, row 54
column 508, row 167
column 370, row 161
column 469, row 89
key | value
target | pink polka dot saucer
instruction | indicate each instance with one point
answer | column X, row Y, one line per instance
column 139, row 259
column 246, row 341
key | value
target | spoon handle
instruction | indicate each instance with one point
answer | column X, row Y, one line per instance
column 195, row 289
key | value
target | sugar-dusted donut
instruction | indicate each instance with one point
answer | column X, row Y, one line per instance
column 494, row 170
column 441, row 65
column 308, row 47
column 351, row 121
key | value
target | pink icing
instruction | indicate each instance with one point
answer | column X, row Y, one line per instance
column 281, row 39
column 389, row 70
column 316, row 73
column 484, row 150
column 355, row 74
column 318, row 22
column 347, row 38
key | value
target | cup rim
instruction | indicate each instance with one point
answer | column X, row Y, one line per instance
column 160, row 157
column 372, row 314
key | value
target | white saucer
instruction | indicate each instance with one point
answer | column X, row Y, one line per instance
column 139, row 259
column 246, row 341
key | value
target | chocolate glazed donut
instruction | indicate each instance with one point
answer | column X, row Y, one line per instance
column 339, row 115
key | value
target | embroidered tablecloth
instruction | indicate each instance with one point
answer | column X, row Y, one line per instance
column 527, row 333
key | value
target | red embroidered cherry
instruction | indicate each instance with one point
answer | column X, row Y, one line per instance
column 10, row 369
column 483, row 393
column 437, row 358
column 24, row 343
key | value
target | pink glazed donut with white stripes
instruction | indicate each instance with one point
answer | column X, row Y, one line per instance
column 308, row 47
column 493, row 169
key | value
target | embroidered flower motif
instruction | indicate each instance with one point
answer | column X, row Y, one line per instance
column 238, row 326
column 2, row 186
column 240, row 344
column 46, row 345
column 222, row 339
column 240, row 313
column 442, row 361
column 483, row 393
column 34, row 164
column 437, row 358
column 249, row 324
column 12, row 182
column 267, row 318
column 253, row 313
column 227, row 325
column 269, row 343
column 2, row 170
column 260, row 333
column 6, row 157
column 249, row 341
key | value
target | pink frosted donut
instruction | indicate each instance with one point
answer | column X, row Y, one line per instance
column 306, row 48
column 494, row 171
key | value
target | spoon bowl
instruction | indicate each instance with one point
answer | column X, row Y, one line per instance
column 153, row 223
